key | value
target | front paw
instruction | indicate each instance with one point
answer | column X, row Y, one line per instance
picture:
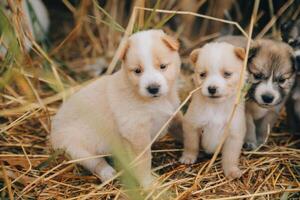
column 147, row 182
column 233, row 173
column 188, row 158
column 106, row 173
column 249, row 146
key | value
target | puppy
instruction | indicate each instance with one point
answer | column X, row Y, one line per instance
column 217, row 70
column 129, row 106
column 290, row 32
column 272, row 72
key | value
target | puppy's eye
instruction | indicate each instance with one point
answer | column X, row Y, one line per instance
column 163, row 66
column 293, row 43
column 281, row 80
column 202, row 74
column 258, row 76
column 137, row 71
column 227, row 74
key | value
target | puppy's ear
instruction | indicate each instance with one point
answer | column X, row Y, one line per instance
column 194, row 55
column 171, row 42
column 240, row 53
column 286, row 29
column 124, row 51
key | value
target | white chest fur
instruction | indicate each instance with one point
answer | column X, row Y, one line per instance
column 212, row 119
column 159, row 114
column 213, row 129
column 256, row 111
column 151, row 115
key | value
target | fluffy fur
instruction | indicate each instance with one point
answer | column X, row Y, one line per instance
column 123, row 110
column 217, row 70
column 272, row 76
column 291, row 35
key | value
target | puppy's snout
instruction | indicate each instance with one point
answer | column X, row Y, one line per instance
column 267, row 98
column 153, row 89
column 212, row 90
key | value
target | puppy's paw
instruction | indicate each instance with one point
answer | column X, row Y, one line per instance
column 233, row 173
column 106, row 173
column 188, row 158
column 147, row 182
column 248, row 146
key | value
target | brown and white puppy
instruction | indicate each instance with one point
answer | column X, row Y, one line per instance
column 218, row 67
column 129, row 106
column 290, row 32
column 272, row 72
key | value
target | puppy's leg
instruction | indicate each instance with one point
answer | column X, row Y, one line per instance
column 104, row 170
column 191, row 139
column 230, row 156
column 250, row 139
column 263, row 126
column 136, row 144
column 96, row 165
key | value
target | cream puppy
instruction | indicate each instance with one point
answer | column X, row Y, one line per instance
column 129, row 106
column 217, row 70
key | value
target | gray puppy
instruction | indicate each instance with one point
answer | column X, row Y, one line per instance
column 272, row 72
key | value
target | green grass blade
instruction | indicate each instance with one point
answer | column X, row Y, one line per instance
column 112, row 25
column 156, row 6
column 11, row 49
column 164, row 21
column 111, row 20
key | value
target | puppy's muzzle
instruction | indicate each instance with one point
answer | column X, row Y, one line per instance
column 267, row 98
column 153, row 89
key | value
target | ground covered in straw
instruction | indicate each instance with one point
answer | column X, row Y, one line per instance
column 30, row 169
column 37, row 172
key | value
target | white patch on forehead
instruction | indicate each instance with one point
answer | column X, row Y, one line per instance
column 144, row 41
column 214, row 54
column 216, row 60
column 144, row 50
column 270, row 81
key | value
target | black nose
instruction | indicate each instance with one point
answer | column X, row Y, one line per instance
column 212, row 89
column 267, row 98
column 153, row 89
